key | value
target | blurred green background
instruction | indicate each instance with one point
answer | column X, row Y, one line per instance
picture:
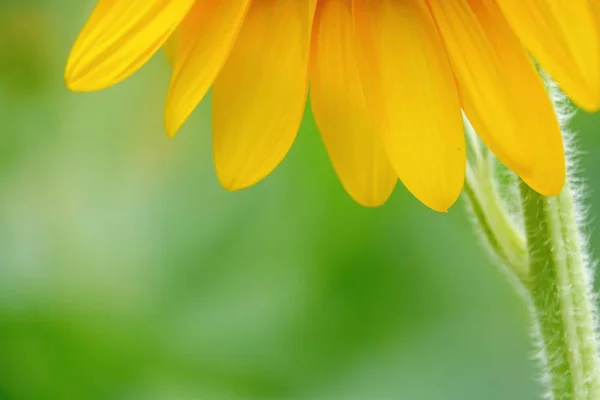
column 127, row 272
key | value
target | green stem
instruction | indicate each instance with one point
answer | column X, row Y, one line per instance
column 503, row 238
column 562, row 304
column 478, row 210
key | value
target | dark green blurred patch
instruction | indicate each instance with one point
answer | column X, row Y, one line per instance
column 26, row 40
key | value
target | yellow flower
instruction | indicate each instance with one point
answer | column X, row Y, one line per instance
column 389, row 80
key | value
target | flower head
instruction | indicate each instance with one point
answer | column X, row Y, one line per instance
column 389, row 81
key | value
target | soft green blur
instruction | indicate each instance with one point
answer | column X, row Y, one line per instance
column 127, row 272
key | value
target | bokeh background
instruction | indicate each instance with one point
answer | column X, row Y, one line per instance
column 127, row 272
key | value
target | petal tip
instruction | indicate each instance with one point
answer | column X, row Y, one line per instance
column 440, row 204
column 552, row 188
column 74, row 85
column 171, row 127
column 547, row 184
column 176, row 113
column 371, row 204
column 233, row 183
column 74, row 79
column 441, row 210
column 70, row 84
column 71, row 80
column 78, row 83
column 371, row 200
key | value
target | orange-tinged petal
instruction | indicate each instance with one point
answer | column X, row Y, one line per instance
column 206, row 37
column 501, row 93
column 340, row 108
column 260, row 94
column 119, row 37
column 410, row 90
column 562, row 36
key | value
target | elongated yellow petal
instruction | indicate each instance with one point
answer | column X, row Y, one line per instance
column 340, row 108
column 501, row 92
column 562, row 36
column 206, row 37
column 410, row 89
column 260, row 94
column 119, row 37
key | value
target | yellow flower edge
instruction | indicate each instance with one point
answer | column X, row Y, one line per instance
column 389, row 81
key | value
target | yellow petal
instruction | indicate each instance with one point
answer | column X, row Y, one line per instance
column 119, row 37
column 562, row 36
column 410, row 89
column 260, row 94
column 206, row 37
column 340, row 108
column 501, row 92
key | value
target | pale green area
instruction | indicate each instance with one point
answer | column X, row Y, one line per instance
column 127, row 272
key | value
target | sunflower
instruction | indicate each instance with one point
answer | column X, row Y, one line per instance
column 389, row 82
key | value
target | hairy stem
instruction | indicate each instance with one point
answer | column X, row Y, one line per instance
column 562, row 304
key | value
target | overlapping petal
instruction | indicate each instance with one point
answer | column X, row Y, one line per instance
column 501, row 92
column 340, row 108
column 205, row 39
column 410, row 89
